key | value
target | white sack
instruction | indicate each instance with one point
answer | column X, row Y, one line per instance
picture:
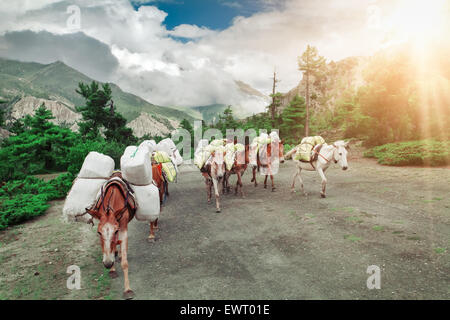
column 177, row 159
column 83, row 194
column 150, row 144
column 147, row 198
column 136, row 165
column 97, row 165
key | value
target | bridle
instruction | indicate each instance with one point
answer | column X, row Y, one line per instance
column 327, row 160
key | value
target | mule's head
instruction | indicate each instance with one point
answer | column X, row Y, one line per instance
column 108, row 231
column 340, row 154
column 218, row 164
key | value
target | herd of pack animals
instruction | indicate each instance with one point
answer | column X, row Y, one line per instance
column 115, row 207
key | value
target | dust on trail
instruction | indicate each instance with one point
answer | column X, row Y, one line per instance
column 279, row 245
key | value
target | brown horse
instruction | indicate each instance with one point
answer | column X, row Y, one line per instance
column 239, row 166
column 161, row 183
column 213, row 171
column 115, row 209
column 267, row 163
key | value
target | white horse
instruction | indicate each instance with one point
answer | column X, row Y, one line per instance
column 336, row 152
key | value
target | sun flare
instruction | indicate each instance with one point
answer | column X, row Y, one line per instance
column 419, row 19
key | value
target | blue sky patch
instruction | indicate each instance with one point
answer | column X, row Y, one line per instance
column 213, row 14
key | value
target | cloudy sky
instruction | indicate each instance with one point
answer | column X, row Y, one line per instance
column 189, row 52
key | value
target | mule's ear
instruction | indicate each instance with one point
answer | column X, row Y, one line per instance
column 282, row 141
column 93, row 213
column 347, row 145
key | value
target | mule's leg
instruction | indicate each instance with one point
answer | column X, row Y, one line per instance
column 166, row 187
column 156, row 225
column 151, row 236
column 127, row 293
column 216, row 192
column 265, row 182
column 254, row 176
column 301, row 181
column 273, row 185
column 297, row 172
column 239, row 183
column 324, row 182
column 225, row 183
column 208, row 190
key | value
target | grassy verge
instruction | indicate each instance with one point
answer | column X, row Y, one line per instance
column 35, row 255
column 422, row 152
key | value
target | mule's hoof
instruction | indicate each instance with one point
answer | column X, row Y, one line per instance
column 273, row 189
column 113, row 274
column 218, row 211
column 322, row 195
column 265, row 187
column 151, row 239
column 128, row 295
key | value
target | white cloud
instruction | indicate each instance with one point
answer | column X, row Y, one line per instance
column 191, row 31
column 202, row 70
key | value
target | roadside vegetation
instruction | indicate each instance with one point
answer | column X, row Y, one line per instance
column 38, row 146
column 392, row 113
column 423, row 152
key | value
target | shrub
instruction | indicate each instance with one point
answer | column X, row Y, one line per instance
column 21, row 200
column 422, row 152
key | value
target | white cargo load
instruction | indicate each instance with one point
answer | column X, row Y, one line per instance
column 136, row 165
column 96, row 170
column 150, row 144
column 168, row 146
column 83, row 195
column 148, row 206
column 96, row 165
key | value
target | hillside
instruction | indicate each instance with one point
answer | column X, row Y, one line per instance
column 57, row 82
column 339, row 77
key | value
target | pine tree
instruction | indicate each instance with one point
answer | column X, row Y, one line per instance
column 98, row 114
column 293, row 120
column 95, row 111
column 311, row 64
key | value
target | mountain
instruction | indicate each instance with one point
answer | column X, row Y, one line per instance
column 252, row 100
column 24, row 84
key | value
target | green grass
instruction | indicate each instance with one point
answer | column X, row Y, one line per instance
column 352, row 238
column 439, row 250
column 354, row 219
column 378, row 228
column 421, row 152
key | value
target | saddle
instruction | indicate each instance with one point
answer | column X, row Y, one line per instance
column 315, row 154
column 116, row 179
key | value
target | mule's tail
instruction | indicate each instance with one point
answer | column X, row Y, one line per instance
column 288, row 155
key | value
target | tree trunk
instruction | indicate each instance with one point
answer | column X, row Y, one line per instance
column 307, row 105
column 273, row 97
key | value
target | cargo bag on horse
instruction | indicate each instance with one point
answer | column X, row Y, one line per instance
column 305, row 151
column 97, row 168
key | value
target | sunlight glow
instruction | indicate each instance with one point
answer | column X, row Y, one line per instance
column 418, row 20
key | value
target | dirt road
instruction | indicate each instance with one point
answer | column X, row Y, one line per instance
column 282, row 245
